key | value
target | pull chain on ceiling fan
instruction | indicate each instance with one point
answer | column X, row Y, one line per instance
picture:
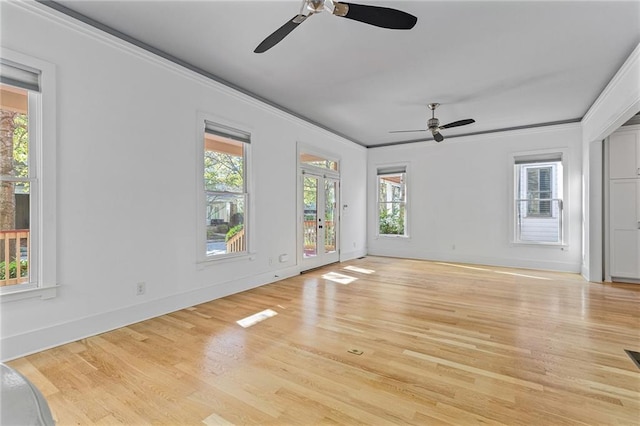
column 383, row 17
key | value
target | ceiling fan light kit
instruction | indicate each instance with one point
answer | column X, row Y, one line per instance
column 383, row 17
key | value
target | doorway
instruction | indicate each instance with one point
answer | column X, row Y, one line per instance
column 320, row 221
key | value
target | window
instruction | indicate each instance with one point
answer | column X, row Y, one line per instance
column 27, row 193
column 225, row 190
column 392, row 201
column 317, row 161
column 538, row 198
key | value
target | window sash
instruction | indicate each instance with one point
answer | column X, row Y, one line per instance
column 24, row 248
column 538, row 204
column 392, row 201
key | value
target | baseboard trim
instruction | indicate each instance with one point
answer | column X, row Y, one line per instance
column 542, row 265
column 34, row 341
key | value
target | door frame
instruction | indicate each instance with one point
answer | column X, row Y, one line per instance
column 301, row 170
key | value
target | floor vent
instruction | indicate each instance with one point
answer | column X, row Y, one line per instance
column 635, row 357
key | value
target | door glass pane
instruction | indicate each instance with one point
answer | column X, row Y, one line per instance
column 330, row 216
column 310, row 230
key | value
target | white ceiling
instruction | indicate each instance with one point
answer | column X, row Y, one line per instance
column 506, row 64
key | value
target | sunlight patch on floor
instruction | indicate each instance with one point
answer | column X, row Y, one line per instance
column 256, row 318
column 361, row 270
column 522, row 275
column 463, row 266
column 535, row 277
column 339, row 278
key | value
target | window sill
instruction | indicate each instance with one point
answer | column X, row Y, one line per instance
column 561, row 246
column 393, row 237
column 28, row 293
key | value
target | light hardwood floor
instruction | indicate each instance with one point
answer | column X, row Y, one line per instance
column 441, row 343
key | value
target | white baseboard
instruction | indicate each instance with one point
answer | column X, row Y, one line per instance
column 486, row 260
column 350, row 255
column 58, row 334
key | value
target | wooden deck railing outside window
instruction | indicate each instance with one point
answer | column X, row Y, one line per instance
column 15, row 253
column 235, row 244
column 310, row 235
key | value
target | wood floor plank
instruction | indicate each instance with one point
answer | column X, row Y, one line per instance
column 435, row 343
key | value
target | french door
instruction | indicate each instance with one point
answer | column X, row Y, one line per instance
column 320, row 220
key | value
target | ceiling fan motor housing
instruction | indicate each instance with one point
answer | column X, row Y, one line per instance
column 433, row 123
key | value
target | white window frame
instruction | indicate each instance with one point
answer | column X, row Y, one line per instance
column 202, row 258
column 390, row 169
column 42, row 176
column 540, row 156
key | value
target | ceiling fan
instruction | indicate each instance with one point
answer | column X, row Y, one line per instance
column 434, row 124
column 373, row 15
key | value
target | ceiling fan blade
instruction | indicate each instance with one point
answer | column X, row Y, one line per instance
column 407, row 131
column 458, row 123
column 438, row 136
column 375, row 15
column 277, row 36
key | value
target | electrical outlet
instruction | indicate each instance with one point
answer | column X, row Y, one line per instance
column 141, row 288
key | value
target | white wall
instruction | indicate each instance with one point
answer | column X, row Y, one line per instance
column 617, row 103
column 126, row 184
column 460, row 199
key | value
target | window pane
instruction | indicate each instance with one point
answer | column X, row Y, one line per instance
column 391, row 218
column 532, row 180
column 316, row 161
column 225, row 223
column 15, row 191
column 545, row 179
column 223, row 164
column 545, row 227
column 330, row 191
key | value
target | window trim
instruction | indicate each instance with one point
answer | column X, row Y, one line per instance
column 540, row 156
column 389, row 169
column 42, row 157
column 203, row 121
